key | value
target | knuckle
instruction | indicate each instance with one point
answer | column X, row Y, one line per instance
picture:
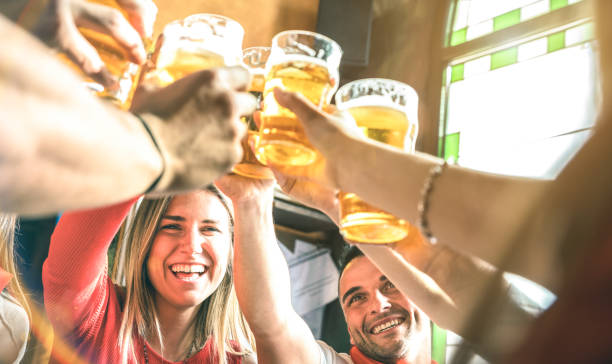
column 225, row 104
column 215, row 80
column 113, row 19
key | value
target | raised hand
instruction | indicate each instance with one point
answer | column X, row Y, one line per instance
column 59, row 24
column 196, row 124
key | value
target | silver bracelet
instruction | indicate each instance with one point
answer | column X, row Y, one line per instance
column 423, row 207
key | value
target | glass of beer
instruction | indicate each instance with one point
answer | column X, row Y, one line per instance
column 303, row 62
column 200, row 41
column 116, row 61
column 385, row 111
column 254, row 59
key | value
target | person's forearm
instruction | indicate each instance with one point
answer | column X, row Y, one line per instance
column 60, row 147
column 471, row 211
column 263, row 288
column 74, row 275
column 260, row 272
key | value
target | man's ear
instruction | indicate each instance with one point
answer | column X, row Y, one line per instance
column 352, row 341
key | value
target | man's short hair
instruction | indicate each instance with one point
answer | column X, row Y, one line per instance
column 349, row 254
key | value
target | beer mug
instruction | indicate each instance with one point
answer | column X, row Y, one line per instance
column 116, row 61
column 254, row 59
column 385, row 111
column 198, row 42
column 303, row 62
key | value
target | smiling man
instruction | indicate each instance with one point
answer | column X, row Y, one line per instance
column 384, row 326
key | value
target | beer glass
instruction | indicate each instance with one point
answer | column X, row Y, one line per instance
column 115, row 59
column 200, row 41
column 254, row 59
column 386, row 111
column 303, row 62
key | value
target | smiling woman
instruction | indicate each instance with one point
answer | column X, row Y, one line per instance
column 178, row 303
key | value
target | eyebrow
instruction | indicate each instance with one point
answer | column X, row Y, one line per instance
column 180, row 218
column 349, row 292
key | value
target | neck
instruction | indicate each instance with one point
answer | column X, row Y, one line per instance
column 360, row 358
column 177, row 330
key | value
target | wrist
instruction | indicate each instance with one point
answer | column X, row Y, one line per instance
column 345, row 159
column 254, row 203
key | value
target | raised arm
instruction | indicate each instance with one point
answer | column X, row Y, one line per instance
column 75, row 277
column 262, row 277
column 61, row 148
column 471, row 211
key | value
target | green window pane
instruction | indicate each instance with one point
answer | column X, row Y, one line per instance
column 504, row 58
column 507, row 19
column 451, row 147
column 556, row 41
column 457, row 72
column 557, row 4
column 458, row 37
column 438, row 344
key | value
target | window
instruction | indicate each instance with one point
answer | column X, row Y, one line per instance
column 519, row 93
column 519, row 87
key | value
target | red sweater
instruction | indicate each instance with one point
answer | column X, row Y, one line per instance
column 81, row 300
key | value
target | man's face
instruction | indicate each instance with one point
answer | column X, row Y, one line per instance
column 381, row 321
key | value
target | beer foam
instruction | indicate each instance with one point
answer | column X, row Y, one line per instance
column 276, row 59
column 372, row 100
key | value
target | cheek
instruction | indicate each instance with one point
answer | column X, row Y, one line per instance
column 354, row 320
column 222, row 253
column 156, row 257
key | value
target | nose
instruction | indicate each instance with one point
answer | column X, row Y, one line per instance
column 192, row 241
column 379, row 303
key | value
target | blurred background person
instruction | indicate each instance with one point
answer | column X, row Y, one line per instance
column 14, row 308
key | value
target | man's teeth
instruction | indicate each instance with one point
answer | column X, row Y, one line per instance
column 188, row 268
column 386, row 326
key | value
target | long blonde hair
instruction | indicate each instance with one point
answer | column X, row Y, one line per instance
column 219, row 315
column 8, row 224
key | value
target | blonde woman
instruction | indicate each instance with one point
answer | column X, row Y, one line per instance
column 179, row 303
column 14, row 312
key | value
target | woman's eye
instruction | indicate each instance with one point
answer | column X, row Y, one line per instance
column 210, row 229
column 171, row 227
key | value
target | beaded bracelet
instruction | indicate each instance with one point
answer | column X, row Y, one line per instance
column 423, row 206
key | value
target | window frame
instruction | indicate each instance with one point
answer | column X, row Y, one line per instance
column 444, row 55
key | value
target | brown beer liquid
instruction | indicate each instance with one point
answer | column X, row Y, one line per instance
column 282, row 138
column 250, row 166
column 361, row 221
column 115, row 59
column 181, row 63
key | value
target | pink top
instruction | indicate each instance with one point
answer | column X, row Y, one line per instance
column 5, row 277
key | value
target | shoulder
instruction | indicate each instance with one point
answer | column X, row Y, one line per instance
column 249, row 359
column 14, row 329
column 331, row 356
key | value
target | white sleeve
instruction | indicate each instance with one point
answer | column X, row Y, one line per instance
column 14, row 329
column 330, row 356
